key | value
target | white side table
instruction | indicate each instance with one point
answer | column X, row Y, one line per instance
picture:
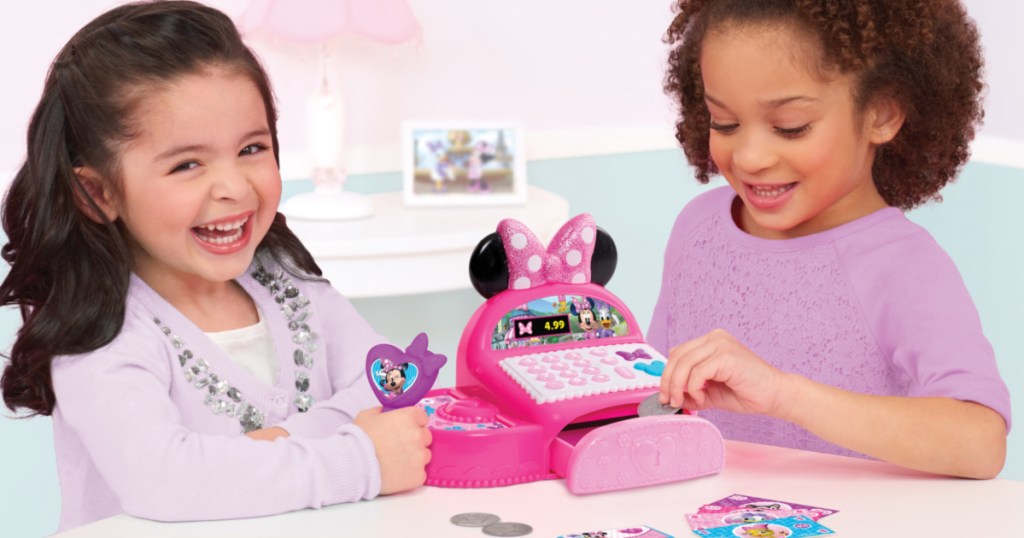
column 407, row 250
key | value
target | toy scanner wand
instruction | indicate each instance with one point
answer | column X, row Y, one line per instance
column 401, row 378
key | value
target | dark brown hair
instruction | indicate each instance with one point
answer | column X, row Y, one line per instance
column 925, row 54
column 69, row 274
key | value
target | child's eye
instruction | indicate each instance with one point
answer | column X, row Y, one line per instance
column 794, row 132
column 184, row 167
column 252, row 149
column 725, row 129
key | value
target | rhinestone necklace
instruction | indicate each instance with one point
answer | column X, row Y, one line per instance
column 222, row 397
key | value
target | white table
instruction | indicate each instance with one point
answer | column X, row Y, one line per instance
column 873, row 499
column 407, row 250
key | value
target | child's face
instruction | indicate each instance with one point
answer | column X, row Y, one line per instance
column 789, row 143
column 203, row 159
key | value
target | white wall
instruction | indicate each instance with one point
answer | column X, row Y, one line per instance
column 583, row 76
column 581, row 65
column 1000, row 24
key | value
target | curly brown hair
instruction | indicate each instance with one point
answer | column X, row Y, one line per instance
column 925, row 54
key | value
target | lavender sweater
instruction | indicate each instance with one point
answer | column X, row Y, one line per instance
column 873, row 306
column 152, row 424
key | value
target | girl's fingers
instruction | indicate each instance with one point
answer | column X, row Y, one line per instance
column 700, row 375
column 677, row 358
column 420, row 416
column 690, row 403
column 672, row 369
column 413, row 413
column 686, row 348
column 666, row 375
column 679, row 380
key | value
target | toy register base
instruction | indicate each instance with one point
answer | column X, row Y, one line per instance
column 494, row 429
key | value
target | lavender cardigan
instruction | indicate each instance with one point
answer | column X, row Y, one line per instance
column 152, row 424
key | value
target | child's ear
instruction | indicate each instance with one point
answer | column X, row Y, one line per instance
column 93, row 191
column 885, row 119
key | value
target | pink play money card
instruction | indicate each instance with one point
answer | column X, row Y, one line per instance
column 638, row 531
column 738, row 501
column 789, row 527
column 710, row 520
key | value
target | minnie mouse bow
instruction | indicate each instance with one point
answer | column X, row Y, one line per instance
column 565, row 260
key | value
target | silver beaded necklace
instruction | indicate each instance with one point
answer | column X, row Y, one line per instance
column 224, row 398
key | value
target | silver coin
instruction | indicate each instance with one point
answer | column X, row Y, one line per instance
column 650, row 406
column 508, row 529
column 475, row 519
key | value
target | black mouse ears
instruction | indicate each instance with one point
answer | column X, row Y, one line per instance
column 513, row 257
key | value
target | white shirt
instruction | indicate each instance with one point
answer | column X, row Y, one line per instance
column 251, row 347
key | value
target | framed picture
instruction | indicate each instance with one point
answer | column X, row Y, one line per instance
column 463, row 163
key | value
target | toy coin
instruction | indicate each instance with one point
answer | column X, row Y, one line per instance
column 474, row 519
column 507, row 529
column 650, row 406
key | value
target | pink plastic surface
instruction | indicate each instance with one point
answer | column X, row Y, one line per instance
column 619, row 451
column 643, row 451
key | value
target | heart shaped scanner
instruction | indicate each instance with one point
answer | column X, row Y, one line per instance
column 400, row 378
column 550, row 372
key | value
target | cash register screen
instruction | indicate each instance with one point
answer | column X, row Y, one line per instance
column 557, row 319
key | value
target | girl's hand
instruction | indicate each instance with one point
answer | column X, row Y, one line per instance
column 401, row 439
column 716, row 371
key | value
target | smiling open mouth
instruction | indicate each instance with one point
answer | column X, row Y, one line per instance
column 771, row 191
column 223, row 233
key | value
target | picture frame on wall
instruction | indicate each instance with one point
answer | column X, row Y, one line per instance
column 452, row 163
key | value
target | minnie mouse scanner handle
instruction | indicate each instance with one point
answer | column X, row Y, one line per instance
column 400, row 378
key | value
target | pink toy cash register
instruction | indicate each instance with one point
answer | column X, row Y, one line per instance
column 549, row 374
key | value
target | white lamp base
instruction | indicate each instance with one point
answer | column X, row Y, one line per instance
column 328, row 204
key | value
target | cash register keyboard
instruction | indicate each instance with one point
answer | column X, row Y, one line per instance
column 555, row 375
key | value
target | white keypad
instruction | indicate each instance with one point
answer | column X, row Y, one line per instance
column 555, row 375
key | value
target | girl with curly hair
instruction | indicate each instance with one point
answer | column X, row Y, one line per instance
column 799, row 306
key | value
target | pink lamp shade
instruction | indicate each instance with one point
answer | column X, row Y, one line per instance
column 307, row 21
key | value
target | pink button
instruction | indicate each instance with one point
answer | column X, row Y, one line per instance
column 581, row 363
column 577, row 381
column 467, row 411
column 546, row 377
column 572, row 355
column 591, row 370
column 554, row 385
column 559, row 366
column 600, row 378
column 598, row 352
column 527, row 361
column 569, row 373
column 610, row 360
column 625, row 372
column 550, row 358
column 536, row 369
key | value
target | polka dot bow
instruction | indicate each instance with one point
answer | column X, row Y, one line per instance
column 385, row 366
column 565, row 260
